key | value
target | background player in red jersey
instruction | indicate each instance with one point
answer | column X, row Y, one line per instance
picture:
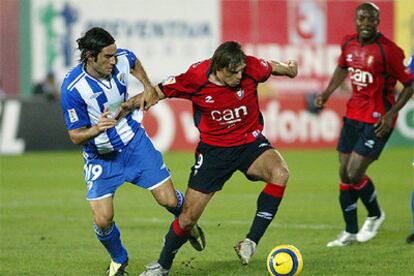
column 410, row 238
column 223, row 91
column 374, row 64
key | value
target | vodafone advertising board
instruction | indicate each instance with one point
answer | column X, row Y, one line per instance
column 287, row 124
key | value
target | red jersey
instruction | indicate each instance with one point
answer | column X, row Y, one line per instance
column 374, row 70
column 224, row 116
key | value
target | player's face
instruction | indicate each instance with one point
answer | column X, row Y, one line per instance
column 366, row 24
column 104, row 63
column 231, row 76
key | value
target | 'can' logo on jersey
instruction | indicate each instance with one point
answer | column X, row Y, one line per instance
column 360, row 78
column 229, row 117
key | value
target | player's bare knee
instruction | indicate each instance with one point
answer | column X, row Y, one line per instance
column 280, row 175
column 103, row 222
column 168, row 202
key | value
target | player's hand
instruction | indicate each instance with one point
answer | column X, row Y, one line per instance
column 288, row 68
column 128, row 106
column 149, row 98
column 105, row 121
column 319, row 101
column 293, row 68
column 384, row 125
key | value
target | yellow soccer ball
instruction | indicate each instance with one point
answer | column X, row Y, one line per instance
column 284, row 260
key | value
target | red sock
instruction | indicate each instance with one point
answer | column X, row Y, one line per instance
column 178, row 230
column 345, row 186
column 274, row 190
column 359, row 186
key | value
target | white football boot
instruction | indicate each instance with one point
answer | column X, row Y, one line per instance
column 370, row 228
column 154, row 269
column 343, row 239
column 245, row 249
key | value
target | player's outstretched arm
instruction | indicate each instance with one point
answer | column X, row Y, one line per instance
column 337, row 78
column 81, row 135
column 136, row 102
column 290, row 68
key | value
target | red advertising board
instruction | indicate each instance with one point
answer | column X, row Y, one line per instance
column 295, row 22
column 307, row 31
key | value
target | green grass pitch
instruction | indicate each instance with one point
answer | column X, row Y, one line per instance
column 46, row 223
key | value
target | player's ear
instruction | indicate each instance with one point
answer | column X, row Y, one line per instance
column 89, row 56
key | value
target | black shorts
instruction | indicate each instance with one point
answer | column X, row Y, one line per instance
column 215, row 165
column 360, row 137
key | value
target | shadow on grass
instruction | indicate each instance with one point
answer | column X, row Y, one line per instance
column 196, row 266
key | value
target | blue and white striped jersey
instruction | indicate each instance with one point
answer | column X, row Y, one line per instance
column 84, row 98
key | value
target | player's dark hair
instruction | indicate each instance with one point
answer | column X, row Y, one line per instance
column 228, row 55
column 368, row 6
column 93, row 41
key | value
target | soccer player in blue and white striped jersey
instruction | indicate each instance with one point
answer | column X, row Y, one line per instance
column 116, row 148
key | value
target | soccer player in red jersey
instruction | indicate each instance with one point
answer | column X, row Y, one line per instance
column 226, row 111
column 374, row 64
